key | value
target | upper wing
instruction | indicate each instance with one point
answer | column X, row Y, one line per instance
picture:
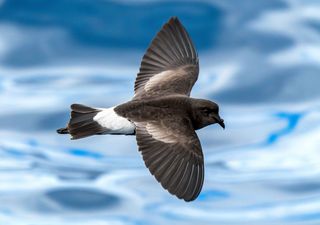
column 172, row 152
column 170, row 65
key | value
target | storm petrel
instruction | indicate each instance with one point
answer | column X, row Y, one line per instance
column 161, row 114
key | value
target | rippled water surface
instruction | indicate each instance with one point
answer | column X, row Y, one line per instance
column 259, row 60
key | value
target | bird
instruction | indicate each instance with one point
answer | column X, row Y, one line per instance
column 162, row 115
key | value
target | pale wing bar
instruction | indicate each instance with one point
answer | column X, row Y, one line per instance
column 171, row 49
column 174, row 158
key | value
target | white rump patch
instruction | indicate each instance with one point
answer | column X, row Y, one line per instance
column 115, row 124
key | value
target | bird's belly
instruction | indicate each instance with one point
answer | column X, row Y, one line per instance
column 114, row 123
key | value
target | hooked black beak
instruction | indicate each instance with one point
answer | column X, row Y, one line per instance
column 220, row 121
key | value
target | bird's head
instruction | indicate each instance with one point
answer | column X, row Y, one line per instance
column 205, row 112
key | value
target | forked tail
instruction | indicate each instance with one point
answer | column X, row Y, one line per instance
column 81, row 123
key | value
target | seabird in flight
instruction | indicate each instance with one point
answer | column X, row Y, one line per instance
column 161, row 113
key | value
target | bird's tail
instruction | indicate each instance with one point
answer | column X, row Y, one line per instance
column 81, row 123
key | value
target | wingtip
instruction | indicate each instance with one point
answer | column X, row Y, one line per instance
column 188, row 198
column 173, row 19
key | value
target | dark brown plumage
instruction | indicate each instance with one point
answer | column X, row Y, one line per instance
column 163, row 116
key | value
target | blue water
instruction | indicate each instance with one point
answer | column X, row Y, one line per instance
column 260, row 60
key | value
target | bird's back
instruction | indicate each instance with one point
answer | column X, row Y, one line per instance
column 155, row 108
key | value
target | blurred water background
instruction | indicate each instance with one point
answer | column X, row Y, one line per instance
column 260, row 60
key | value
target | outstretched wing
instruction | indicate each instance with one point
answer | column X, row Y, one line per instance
column 170, row 65
column 172, row 152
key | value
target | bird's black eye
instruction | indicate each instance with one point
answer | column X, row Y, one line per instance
column 216, row 110
column 206, row 111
